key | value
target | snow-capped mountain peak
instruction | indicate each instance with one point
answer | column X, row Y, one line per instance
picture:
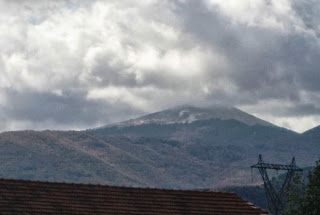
column 189, row 114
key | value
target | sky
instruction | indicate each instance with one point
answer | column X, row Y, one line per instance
column 82, row 64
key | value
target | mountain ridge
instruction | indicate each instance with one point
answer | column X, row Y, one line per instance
column 192, row 154
column 189, row 113
column 312, row 131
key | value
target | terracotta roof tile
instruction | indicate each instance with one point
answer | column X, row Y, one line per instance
column 34, row 197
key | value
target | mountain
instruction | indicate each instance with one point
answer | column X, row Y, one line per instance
column 213, row 150
column 227, row 139
column 313, row 132
column 79, row 157
column 188, row 114
column 58, row 156
column 132, row 161
column 193, row 125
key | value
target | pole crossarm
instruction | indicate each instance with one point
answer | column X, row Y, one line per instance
column 275, row 199
column 277, row 167
column 290, row 167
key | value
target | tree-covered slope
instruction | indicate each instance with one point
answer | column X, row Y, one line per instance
column 204, row 153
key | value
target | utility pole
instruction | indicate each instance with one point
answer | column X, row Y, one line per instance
column 275, row 198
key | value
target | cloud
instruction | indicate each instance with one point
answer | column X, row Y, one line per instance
column 68, row 109
column 74, row 64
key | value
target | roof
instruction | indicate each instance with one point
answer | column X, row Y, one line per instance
column 34, row 197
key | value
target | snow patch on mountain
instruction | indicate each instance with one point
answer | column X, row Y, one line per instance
column 181, row 113
column 189, row 114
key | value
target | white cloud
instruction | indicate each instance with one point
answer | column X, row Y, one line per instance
column 277, row 14
column 149, row 55
column 297, row 124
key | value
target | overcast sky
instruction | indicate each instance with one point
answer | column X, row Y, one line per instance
column 82, row 64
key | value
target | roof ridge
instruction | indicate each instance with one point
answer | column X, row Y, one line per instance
column 112, row 186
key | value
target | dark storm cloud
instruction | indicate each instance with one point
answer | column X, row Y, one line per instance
column 68, row 109
column 308, row 11
column 112, row 75
column 266, row 64
column 80, row 64
column 303, row 110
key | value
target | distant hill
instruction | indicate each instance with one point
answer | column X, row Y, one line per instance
column 79, row 157
column 60, row 156
column 211, row 151
column 314, row 132
column 224, row 137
